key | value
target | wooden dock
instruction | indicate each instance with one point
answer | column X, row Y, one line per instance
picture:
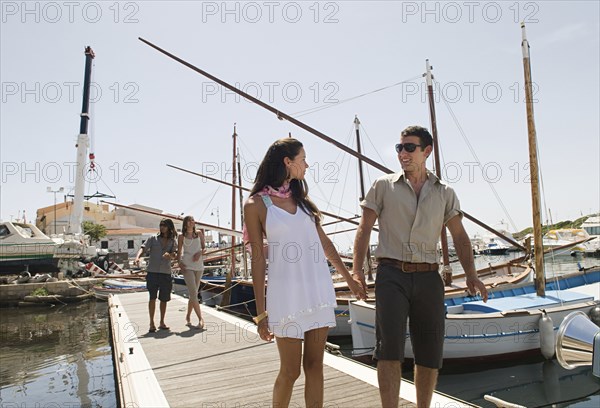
column 224, row 365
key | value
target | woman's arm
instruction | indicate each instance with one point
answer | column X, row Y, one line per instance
column 361, row 243
column 332, row 255
column 254, row 213
column 202, row 241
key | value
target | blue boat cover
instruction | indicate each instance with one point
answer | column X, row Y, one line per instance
column 527, row 301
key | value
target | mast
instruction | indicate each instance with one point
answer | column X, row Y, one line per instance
column 82, row 146
column 362, row 192
column 231, row 273
column 438, row 169
column 540, row 280
column 241, row 196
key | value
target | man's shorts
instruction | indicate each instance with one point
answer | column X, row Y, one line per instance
column 161, row 283
column 418, row 296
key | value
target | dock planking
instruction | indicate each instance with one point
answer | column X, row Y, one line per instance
column 225, row 365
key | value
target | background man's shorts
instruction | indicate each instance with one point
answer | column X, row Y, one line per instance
column 418, row 296
column 161, row 283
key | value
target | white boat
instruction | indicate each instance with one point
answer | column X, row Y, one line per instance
column 565, row 236
column 23, row 245
column 118, row 286
column 508, row 325
column 592, row 226
column 494, row 247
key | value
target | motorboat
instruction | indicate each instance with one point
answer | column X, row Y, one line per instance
column 24, row 247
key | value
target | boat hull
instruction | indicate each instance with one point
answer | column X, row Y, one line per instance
column 507, row 333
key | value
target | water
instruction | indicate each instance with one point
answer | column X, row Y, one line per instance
column 531, row 382
column 56, row 357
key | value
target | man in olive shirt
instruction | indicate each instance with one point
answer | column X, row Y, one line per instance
column 412, row 206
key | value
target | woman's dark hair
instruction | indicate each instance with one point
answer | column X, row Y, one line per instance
column 273, row 172
column 171, row 231
column 184, row 226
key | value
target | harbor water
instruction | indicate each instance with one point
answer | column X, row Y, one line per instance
column 61, row 357
column 55, row 357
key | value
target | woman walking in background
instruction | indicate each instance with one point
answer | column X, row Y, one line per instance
column 190, row 247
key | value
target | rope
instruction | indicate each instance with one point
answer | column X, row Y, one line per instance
column 468, row 143
column 226, row 290
column 331, row 105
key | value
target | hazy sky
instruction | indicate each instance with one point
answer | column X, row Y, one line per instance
column 150, row 110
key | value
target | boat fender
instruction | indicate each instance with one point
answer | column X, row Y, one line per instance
column 24, row 277
column 595, row 315
column 546, row 327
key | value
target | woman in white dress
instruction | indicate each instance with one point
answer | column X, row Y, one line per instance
column 189, row 256
column 300, row 301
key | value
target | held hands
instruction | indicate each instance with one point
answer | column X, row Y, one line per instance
column 196, row 256
column 358, row 286
column 263, row 330
column 166, row 255
column 474, row 286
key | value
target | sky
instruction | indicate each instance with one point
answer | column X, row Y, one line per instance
column 347, row 57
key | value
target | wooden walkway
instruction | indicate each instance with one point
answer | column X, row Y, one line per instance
column 225, row 365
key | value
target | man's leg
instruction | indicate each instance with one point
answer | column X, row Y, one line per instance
column 392, row 292
column 425, row 381
column 427, row 327
column 389, row 373
column 163, row 311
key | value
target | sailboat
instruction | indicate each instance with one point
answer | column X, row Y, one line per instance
column 507, row 325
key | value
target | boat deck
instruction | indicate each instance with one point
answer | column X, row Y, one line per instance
column 224, row 365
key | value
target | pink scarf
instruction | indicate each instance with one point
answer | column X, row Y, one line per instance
column 282, row 192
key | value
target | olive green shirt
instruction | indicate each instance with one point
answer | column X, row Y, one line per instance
column 410, row 228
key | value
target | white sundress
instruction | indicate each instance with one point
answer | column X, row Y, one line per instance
column 300, row 294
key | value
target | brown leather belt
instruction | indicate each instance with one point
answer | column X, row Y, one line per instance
column 409, row 266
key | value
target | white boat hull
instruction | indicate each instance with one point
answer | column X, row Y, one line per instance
column 470, row 335
column 23, row 245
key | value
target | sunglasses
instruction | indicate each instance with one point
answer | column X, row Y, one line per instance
column 409, row 147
